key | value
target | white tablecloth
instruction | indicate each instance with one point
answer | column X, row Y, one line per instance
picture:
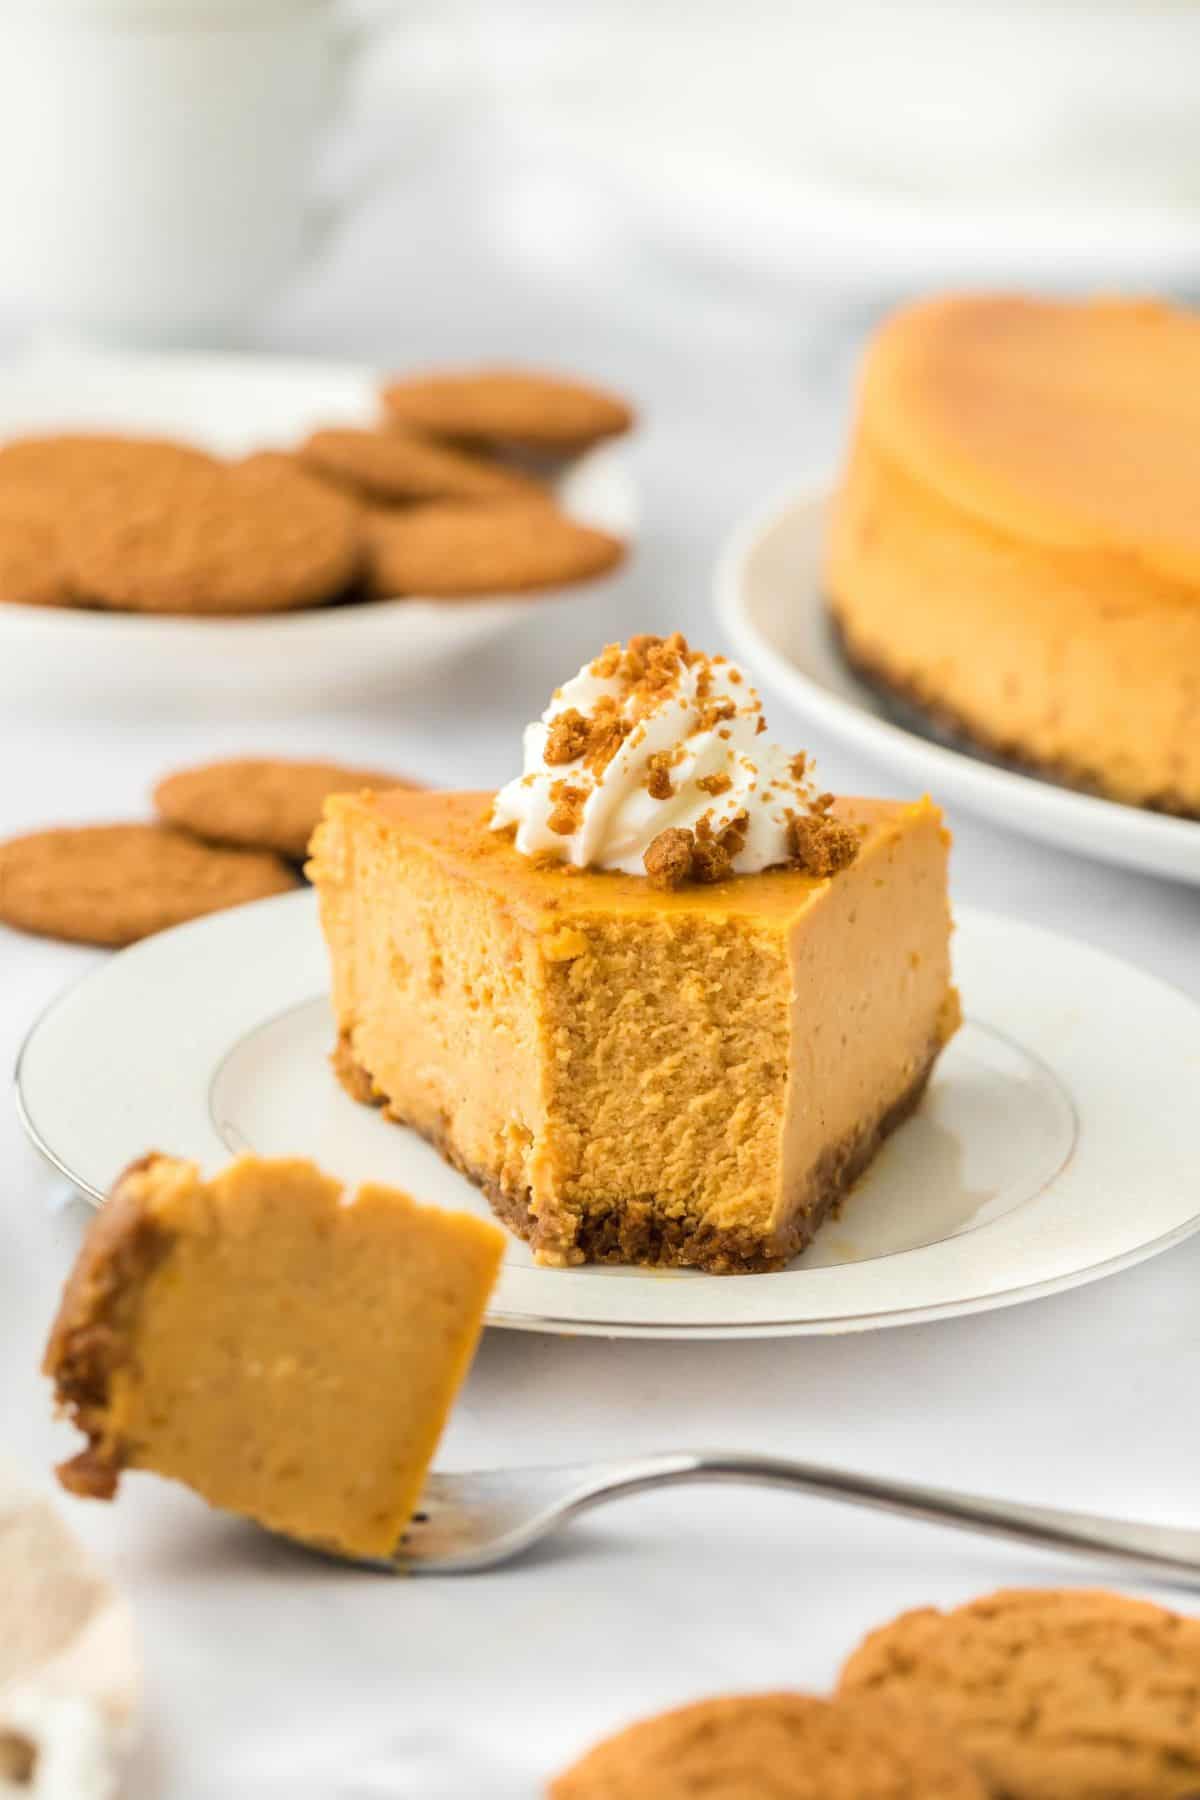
column 276, row 1677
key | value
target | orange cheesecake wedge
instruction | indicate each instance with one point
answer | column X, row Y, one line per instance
column 660, row 998
column 290, row 1353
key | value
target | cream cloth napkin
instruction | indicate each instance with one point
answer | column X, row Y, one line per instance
column 70, row 1676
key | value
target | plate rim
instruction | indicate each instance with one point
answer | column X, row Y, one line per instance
column 1083, row 824
column 675, row 1330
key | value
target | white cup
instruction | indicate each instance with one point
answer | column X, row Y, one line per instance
column 156, row 158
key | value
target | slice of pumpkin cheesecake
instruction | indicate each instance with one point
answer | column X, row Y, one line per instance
column 659, row 998
column 288, row 1352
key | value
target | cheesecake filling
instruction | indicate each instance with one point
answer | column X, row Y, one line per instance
column 684, row 1078
column 653, row 761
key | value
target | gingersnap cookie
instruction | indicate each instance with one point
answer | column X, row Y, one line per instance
column 66, row 465
column 31, row 564
column 391, row 466
column 260, row 803
column 43, row 481
column 788, row 1746
column 446, row 550
column 254, row 536
column 1054, row 1694
column 113, row 884
column 518, row 407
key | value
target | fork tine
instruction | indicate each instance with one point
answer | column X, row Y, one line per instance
column 478, row 1518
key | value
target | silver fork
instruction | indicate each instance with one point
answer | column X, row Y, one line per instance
column 474, row 1521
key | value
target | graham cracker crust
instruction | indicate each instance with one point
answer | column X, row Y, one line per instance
column 933, row 718
column 89, row 1337
column 629, row 1230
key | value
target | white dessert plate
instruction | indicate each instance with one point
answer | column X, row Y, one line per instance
column 59, row 658
column 770, row 601
column 1038, row 1159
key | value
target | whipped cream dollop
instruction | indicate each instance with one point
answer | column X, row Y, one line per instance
column 652, row 738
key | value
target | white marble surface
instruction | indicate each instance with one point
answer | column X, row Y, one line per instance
column 282, row 1678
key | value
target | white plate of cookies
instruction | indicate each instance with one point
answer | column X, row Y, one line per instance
column 199, row 529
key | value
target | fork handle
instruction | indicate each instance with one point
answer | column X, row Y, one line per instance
column 1164, row 1552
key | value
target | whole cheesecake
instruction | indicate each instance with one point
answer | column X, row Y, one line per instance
column 1014, row 547
column 658, row 998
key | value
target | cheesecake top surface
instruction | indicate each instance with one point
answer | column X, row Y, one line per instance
column 1073, row 424
column 456, row 828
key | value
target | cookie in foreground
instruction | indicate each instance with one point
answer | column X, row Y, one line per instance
column 113, row 884
column 788, row 1746
column 660, row 998
column 260, row 802
column 289, row 1352
column 1056, row 1694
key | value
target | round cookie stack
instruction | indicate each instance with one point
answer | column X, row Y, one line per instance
column 511, row 539
column 446, row 497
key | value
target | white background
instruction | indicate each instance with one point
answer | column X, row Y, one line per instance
column 271, row 1675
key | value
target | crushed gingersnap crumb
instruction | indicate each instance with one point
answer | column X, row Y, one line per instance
column 594, row 739
column 607, row 731
column 567, row 812
column 714, row 851
column 658, row 776
column 715, row 713
column 605, row 666
column 646, row 665
column 654, row 663
column 668, row 858
column 567, row 737
column 707, row 854
column 821, row 846
column 714, row 784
